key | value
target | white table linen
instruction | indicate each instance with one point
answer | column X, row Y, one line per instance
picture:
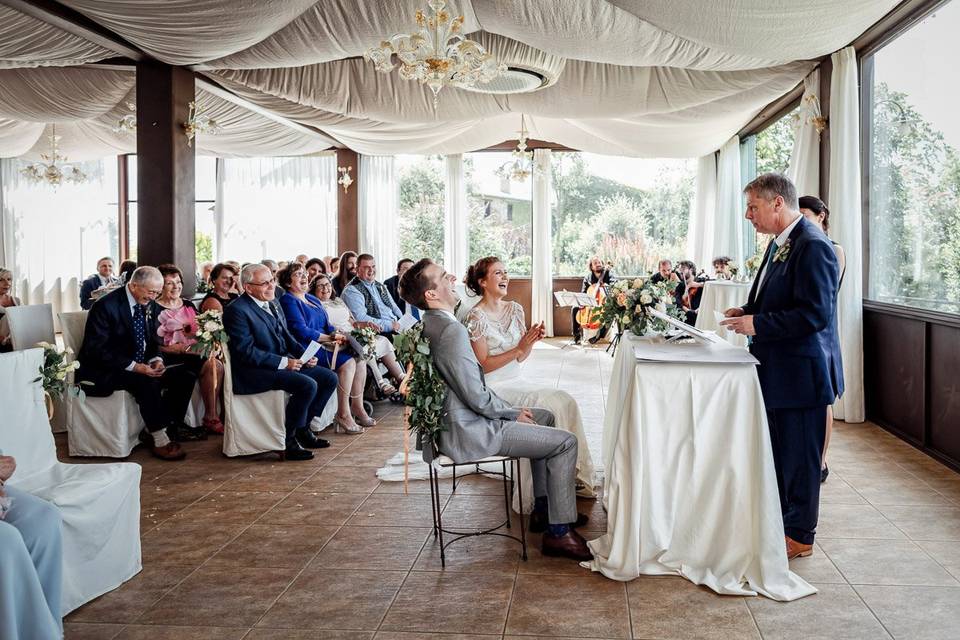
column 690, row 486
column 720, row 295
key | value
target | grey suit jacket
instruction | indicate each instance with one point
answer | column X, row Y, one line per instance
column 473, row 415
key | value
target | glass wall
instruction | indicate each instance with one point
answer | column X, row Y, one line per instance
column 629, row 211
column 420, row 219
column 500, row 211
column 913, row 166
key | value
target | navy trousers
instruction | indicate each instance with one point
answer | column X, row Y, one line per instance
column 796, row 436
column 309, row 389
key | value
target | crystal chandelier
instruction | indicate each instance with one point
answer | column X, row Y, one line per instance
column 128, row 123
column 519, row 169
column 53, row 169
column 199, row 122
column 437, row 55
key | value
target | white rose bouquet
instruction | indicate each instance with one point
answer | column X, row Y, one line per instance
column 211, row 336
column 53, row 372
column 630, row 302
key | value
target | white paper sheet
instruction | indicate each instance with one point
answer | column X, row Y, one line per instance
column 406, row 321
column 574, row 299
column 700, row 352
column 690, row 330
column 310, row 351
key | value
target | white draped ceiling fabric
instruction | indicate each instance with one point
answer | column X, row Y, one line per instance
column 650, row 78
column 804, row 167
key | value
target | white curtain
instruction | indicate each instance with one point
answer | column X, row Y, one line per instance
column 379, row 201
column 846, row 225
column 728, row 225
column 703, row 211
column 218, row 215
column 456, row 251
column 276, row 208
column 541, row 307
column 804, row 167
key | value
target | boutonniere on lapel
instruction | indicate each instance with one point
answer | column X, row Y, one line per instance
column 782, row 252
column 147, row 313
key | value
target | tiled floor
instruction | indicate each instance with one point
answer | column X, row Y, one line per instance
column 260, row 550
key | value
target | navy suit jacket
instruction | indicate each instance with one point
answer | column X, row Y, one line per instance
column 258, row 341
column 87, row 287
column 393, row 286
column 795, row 318
column 108, row 341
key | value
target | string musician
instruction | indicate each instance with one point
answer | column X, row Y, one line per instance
column 594, row 284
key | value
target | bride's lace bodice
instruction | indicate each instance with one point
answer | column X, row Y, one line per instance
column 501, row 334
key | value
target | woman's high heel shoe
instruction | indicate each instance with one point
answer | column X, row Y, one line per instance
column 341, row 426
column 365, row 422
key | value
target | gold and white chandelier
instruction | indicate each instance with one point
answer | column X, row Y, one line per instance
column 128, row 123
column 437, row 55
column 199, row 122
column 53, row 170
column 520, row 168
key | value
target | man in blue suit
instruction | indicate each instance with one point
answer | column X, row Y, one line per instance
column 264, row 357
column 102, row 278
column 790, row 317
column 393, row 286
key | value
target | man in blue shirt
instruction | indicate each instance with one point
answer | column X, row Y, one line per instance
column 369, row 300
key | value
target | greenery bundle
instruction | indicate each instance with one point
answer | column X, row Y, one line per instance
column 425, row 390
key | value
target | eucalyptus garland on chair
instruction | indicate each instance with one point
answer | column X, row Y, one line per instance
column 423, row 389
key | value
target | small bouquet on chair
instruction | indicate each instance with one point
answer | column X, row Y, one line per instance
column 211, row 335
column 367, row 339
column 178, row 326
column 55, row 369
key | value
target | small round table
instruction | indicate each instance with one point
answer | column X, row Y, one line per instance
column 720, row 295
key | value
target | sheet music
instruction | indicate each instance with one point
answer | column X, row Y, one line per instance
column 690, row 330
column 574, row 299
column 698, row 352
column 406, row 321
column 310, row 351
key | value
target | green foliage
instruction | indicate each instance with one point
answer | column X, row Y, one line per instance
column 203, row 247
column 425, row 390
column 54, row 370
column 628, row 305
column 775, row 144
column 211, row 334
column 421, row 212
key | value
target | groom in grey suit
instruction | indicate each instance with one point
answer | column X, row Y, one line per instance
column 478, row 423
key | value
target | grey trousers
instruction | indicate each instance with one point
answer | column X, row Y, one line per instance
column 553, row 461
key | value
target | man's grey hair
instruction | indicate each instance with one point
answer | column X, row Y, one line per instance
column 143, row 275
column 249, row 273
column 269, row 264
column 770, row 185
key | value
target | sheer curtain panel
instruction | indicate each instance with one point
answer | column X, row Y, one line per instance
column 456, row 255
column 804, row 167
column 847, row 226
column 728, row 225
column 541, row 307
column 379, row 202
column 703, row 211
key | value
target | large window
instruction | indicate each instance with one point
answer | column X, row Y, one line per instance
column 420, row 219
column 914, row 166
column 500, row 211
column 629, row 211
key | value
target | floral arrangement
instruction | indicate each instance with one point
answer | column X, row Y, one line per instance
column 210, row 335
column 629, row 302
column 53, row 372
column 425, row 390
column 752, row 264
column 178, row 326
column 366, row 337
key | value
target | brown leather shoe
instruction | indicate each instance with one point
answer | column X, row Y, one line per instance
column 797, row 549
column 539, row 522
column 171, row 451
column 570, row 545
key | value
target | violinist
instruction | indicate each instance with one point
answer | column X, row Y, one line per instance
column 694, row 289
column 599, row 276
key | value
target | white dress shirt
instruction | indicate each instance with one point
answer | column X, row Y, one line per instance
column 780, row 240
column 263, row 304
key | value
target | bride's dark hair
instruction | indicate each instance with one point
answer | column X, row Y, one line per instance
column 477, row 272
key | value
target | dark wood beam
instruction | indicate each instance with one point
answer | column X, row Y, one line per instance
column 348, row 204
column 773, row 112
column 904, row 16
column 123, row 206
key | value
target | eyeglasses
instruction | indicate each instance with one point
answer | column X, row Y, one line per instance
column 271, row 282
column 325, row 285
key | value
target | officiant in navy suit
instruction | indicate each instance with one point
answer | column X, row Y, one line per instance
column 790, row 317
column 264, row 357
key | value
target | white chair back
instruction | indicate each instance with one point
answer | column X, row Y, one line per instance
column 252, row 423
column 73, row 324
column 30, row 324
column 24, row 430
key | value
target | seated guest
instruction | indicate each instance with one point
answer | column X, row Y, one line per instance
column 127, row 267
column 693, row 286
column 308, row 322
column 326, row 264
column 665, row 273
column 102, row 278
column 340, row 317
column 274, row 270
column 369, row 300
column 237, row 288
column 264, row 357
column 120, row 351
column 203, row 277
column 478, row 423
column 314, row 267
column 334, row 266
column 6, row 300
column 31, row 563
column 282, row 265
column 222, row 291
column 721, row 268
column 302, row 259
column 178, row 329
column 347, row 271
column 391, row 284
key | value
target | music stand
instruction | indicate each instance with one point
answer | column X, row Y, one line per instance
column 570, row 299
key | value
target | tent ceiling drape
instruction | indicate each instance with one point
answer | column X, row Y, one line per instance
column 651, row 78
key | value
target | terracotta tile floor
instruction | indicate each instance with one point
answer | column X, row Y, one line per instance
column 259, row 550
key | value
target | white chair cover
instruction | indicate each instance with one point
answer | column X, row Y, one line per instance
column 30, row 324
column 253, row 423
column 105, row 427
column 100, row 503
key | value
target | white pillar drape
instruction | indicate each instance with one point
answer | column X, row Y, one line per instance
column 702, row 212
column 846, row 226
column 456, row 252
column 541, row 307
column 218, row 214
column 728, row 226
column 377, row 220
column 804, row 167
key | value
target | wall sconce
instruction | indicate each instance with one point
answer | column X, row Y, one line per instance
column 816, row 118
column 345, row 180
column 199, row 122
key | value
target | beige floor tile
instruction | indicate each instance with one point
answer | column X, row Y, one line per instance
column 184, row 542
column 304, row 634
column 273, row 545
column 835, row 613
column 855, row 521
column 343, row 480
column 947, row 554
column 151, row 632
column 372, row 548
column 898, row 492
column 230, row 507
column 90, row 631
column 899, row 562
column 127, row 602
column 403, row 635
column 926, row 522
column 480, row 554
column 314, row 508
column 837, row 491
column 383, row 510
column 915, row 613
column 554, row 606
column 817, row 568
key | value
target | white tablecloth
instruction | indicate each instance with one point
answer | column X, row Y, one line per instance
column 720, row 295
column 690, row 486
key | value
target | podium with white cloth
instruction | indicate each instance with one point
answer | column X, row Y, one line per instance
column 690, row 486
column 718, row 296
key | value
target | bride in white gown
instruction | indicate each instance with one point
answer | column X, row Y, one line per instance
column 501, row 342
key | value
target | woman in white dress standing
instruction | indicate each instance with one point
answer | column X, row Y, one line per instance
column 501, row 343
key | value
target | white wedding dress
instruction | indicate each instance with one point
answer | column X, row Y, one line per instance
column 508, row 382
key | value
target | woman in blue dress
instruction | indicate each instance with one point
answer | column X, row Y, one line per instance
column 308, row 322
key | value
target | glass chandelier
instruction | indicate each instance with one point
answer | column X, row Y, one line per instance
column 520, row 168
column 436, row 55
column 53, row 170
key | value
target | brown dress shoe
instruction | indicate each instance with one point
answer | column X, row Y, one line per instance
column 539, row 522
column 570, row 545
column 171, row 451
column 797, row 549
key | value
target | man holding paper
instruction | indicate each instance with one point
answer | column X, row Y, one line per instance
column 790, row 317
column 262, row 353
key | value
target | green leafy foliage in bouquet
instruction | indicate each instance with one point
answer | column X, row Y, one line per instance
column 53, row 372
column 211, row 335
column 366, row 337
column 628, row 304
column 425, row 390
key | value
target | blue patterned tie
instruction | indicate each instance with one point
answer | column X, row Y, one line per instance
column 140, row 332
